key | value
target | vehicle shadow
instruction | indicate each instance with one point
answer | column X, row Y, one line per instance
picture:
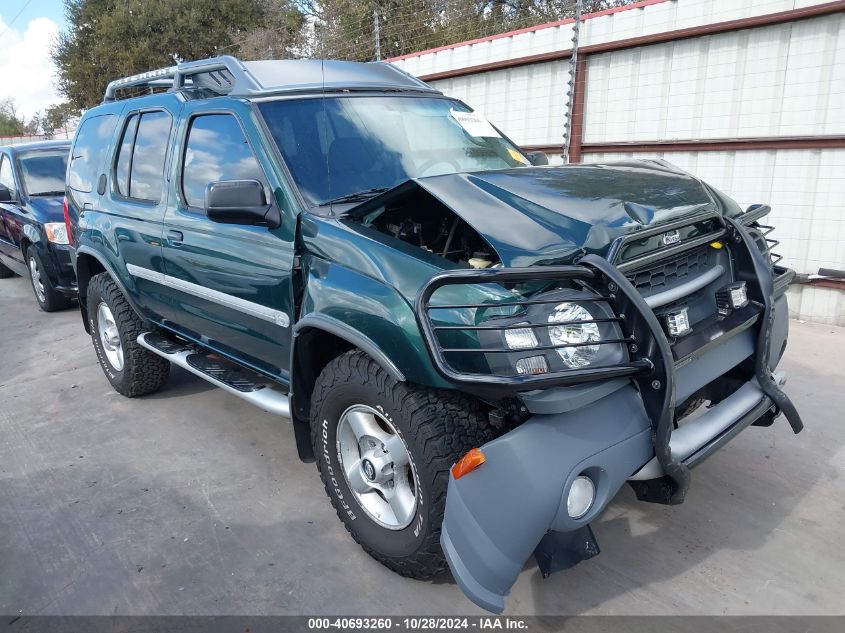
column 179, row 384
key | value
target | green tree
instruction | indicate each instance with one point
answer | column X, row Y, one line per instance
column 108, row 39
column 344, row 28
column 57, row 119
column 11, row 124
column 280, row 34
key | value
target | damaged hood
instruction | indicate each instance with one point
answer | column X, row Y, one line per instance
column 545, row 215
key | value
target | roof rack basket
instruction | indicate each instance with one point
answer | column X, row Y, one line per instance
column 223, row 75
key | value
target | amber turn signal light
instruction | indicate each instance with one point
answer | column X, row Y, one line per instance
column 471, row 460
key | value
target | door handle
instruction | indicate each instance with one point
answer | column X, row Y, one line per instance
column 175, row 237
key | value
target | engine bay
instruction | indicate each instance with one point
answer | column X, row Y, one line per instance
column 436, row 229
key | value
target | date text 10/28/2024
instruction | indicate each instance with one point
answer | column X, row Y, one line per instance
column 421, row 623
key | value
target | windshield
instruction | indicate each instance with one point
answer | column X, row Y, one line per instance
column 337, row 147
column 43, row 172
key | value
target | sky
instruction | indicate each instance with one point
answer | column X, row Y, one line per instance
column 28, row 75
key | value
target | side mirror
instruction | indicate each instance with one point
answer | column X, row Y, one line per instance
column 538, row 158
column 5, row 194
column 240, row 202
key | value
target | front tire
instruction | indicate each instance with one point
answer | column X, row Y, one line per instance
column 131, row 369
column 384, row 449
column 48, row 298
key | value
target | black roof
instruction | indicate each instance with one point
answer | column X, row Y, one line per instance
column 227, row 75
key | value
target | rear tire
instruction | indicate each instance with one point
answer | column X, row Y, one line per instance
column 131, row 369
column 48, row 298
column 433, row 427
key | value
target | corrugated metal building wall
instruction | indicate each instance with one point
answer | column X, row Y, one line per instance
column 748, row 95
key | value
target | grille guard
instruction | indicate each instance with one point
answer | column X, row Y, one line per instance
column 487, row 384
column 651, row 365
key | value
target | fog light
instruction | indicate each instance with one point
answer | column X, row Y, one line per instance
column 582, row 492
column 731, row 297
column 739, row 296
column 677, row 322
column 521, row 338
column 532, row 365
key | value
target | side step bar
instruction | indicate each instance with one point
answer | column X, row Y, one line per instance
column 719, row 424
column 218, row 373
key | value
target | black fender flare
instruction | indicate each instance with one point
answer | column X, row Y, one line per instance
column 347, row 332
column 301, row 392
column 90, row 252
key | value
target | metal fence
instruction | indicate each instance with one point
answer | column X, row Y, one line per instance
column 31, row 138
column 748, row 95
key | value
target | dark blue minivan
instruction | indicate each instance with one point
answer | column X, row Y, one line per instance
column 33, row 235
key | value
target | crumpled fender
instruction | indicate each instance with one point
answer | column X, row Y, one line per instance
column 497, row 514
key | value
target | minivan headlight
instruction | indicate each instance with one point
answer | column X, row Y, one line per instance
column 56, row 232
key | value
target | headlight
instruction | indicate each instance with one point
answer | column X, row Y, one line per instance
column 56, row 232
column 569, row 332
column 578, row 334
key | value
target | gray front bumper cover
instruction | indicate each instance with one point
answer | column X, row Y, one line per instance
column 496, row 515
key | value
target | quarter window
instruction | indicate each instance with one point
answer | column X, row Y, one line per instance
column 216, row 149
column 92, row 138
column 139, row 171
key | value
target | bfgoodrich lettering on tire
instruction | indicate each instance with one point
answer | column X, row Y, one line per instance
column 131, row 369
column 384, row 449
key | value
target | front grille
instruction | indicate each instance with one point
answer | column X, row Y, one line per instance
column 671, row 272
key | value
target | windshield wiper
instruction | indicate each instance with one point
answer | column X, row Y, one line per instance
column 358, row 196
column 47, row 193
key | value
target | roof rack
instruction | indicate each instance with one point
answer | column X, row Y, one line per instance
column 227, row 75
column 223, row 75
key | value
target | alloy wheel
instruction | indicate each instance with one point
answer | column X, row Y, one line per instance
column 109, row 336
column 37, row 281
column 377, row 466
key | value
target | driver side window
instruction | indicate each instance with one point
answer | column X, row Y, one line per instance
column 216, row 149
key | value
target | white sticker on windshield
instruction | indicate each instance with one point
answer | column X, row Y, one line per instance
column 474, row 124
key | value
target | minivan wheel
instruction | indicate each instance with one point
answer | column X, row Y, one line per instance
column 384, row 449
column 49, row 299
column 115, row 327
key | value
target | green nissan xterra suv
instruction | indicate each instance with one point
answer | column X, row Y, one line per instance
column 478, row 352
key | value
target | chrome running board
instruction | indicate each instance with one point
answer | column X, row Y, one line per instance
column 228, row 378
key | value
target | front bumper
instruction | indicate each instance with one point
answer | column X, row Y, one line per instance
column 499, row 514
column 58, row 267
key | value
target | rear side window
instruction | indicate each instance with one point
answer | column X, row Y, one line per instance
column 216, row 149
column 139, row 171
column 91, row 140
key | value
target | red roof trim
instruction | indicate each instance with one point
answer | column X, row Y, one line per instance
column 530, row 29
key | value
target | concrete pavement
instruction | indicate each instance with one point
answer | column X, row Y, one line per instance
column 191, row 501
